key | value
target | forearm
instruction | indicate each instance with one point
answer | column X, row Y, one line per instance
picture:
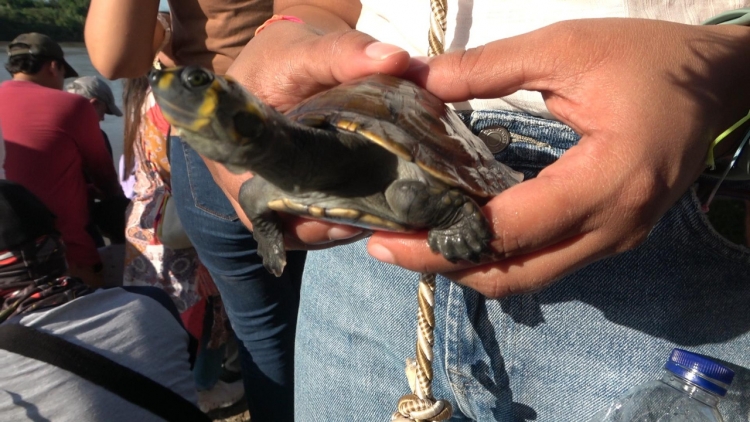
column 120, row 36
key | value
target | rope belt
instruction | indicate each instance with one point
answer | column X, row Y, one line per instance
column 421, row 405
column 438, row 23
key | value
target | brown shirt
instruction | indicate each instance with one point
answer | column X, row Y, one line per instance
column 211, row 33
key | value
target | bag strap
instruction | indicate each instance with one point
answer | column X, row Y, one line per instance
column 112, row 376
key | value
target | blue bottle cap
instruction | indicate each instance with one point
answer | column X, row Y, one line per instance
column 700, row 371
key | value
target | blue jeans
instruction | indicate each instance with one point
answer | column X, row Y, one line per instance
column 208, row 363
column 261, row 307
column 557, row 355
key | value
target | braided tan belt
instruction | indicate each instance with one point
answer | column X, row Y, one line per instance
column 421, row 405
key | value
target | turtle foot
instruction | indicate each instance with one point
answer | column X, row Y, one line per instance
column 468, row 239
column 274, row 256
column 267, row 228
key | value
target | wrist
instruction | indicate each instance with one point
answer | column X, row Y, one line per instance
column 325, row 18
column 277, row 18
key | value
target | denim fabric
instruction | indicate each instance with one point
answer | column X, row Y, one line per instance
column 553, row 356
column 208, row 363
column 261, row 307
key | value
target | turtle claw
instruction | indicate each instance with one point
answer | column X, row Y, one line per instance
column 468, row 239
column 274, row 256
column 267, row 228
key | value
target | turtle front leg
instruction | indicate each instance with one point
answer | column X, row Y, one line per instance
column 457, row 228
column 267, row 228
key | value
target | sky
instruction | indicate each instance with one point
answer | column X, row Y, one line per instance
column 163, row 5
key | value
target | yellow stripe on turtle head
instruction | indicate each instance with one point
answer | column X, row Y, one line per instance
column 210, row 101
column 205, row 112
column 165, row 81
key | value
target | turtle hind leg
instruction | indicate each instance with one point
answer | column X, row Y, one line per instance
column 458, row 229
column 467, row 239
column 267, row 228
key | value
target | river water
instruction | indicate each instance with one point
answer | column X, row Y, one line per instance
column 76, row 55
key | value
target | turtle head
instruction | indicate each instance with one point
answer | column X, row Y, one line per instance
column 214, row 114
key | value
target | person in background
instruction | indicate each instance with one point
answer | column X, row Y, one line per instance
column 107, row 217
column 53, row 145
column 261, row 308
column 176, row 270
column 99, row 95
column 137, row 329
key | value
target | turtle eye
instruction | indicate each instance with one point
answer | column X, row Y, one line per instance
column 196, row 78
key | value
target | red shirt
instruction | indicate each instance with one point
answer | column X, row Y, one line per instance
column 51, row 138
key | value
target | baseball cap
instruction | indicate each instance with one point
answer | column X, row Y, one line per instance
column 41, row 45
column 95, row 87
column 23, row 216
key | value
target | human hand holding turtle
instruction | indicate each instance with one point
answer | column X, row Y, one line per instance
column 289, row 62
column 646, row 110
column 647, row 97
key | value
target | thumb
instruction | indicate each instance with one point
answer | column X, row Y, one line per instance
column 287, row 63
column 529, row 61
column 343, row 56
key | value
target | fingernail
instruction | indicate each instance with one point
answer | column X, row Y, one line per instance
column 381, row 51
column 380, row 253
column 343, row 233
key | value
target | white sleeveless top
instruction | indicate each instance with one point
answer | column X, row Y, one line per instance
column 475, row 22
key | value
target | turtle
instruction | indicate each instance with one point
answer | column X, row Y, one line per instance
column 378, row 152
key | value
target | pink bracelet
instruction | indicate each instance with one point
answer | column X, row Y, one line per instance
column 276, row 18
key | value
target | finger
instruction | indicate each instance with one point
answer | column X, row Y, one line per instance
column 305, row 234
column 518, row 223
column 531, row 272
column 521, row 226
column 353, row 54
column 301, row 233
column 284, row 76
column 529, row 61
column 522, row 274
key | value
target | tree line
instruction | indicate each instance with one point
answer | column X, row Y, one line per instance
column 62, row 20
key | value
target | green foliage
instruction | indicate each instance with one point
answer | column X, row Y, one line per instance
column 62, row 20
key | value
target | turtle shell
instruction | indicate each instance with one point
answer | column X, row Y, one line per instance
column 415, row 125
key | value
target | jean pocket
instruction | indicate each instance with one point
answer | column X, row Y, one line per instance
column 528, row 143
column 711, row 240
column 206, row 194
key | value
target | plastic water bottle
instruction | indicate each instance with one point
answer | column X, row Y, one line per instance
column 689, row 391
